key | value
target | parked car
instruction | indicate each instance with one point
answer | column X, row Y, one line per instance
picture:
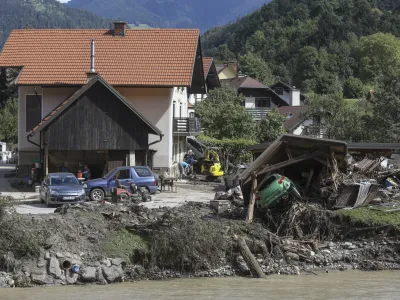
column 273, row 188
column 61, row 188
column 98, row 189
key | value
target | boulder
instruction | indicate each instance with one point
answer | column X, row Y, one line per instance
column 89, row 274
column 54, row 267
column 47, row 256
column 42, row 279
column 117, row 261
column 106, row 262
column 71, row 278
column 100, row 276
column 113, row 273
column 11, row 282
column 59, row 255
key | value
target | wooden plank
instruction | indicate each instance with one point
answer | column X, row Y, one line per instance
column 250, row 209
column 289, row 162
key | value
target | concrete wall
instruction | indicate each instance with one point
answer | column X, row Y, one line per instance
column 156, row 105
column 180, row 98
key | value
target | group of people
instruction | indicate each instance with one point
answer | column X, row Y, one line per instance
column 186, row 166
column 83, row 172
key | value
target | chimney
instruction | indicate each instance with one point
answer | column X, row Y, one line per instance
column 119, row 28
column 92, row 73
column 294, row 97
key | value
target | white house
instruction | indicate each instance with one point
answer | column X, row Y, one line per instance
column 104, row 97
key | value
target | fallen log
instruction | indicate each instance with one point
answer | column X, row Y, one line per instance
column 249, row 258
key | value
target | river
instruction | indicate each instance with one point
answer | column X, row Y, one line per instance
column 340, row 285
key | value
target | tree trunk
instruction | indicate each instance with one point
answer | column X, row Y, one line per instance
column 250, row 209
column 249, row 258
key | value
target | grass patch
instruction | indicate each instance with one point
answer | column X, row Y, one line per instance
column 123, row 244
column 371, row 217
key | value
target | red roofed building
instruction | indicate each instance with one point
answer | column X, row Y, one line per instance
column 104, row 97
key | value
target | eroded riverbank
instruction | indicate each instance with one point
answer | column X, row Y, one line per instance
column 351, row 285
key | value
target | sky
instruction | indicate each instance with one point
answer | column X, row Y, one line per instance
column 63, row 1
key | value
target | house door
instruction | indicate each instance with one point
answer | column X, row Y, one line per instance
column 116, row 158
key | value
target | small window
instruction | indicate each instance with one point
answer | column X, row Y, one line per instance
column 33, row 113
column 279, row 91
column 263, row 102
column 143, row 172
column 267, row 182
column 123, row 174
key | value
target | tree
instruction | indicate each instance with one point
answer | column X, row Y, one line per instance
column 342, row 119
column 379, row 56
column 255, row 67
column 9, row 122
column 271, row 127
column 222, row 115
column 385, row 121
column 353, row 88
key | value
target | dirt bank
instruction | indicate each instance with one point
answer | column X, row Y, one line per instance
column 94, row 243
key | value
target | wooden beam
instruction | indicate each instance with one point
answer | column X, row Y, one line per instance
column 289, row 162
column 249, row 258
column 250, row 209
column 289, row 154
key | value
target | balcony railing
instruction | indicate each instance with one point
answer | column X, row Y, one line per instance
column 258, row 113
column 315, row 131
column 186, row 126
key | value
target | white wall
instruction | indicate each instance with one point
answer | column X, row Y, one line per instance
column 156, row 105
column 52, row 97
column 295, row 98
column 180, row 98
column 250, row 102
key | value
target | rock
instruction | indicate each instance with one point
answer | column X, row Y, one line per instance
column 297, row 270
column 331, row 245
column 292, row 256
column 3, row 282
column 59, row 255
column 89, row 274
column 117, row 261
column 54, row 267
column 100, row 276
column 41, row 263
column 42, row 279
column 106, row 262
column 325, row 251
column 22, row 280
column 47, row 255
column 11, row 282
column 312, row 253
column 113, row 273
column 67, row 254
column 71, row 278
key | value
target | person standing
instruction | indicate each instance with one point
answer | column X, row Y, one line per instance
column 86, row 173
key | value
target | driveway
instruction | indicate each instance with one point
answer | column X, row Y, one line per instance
column 7, row 190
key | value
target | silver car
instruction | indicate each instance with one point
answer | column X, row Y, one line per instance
column 61, row 188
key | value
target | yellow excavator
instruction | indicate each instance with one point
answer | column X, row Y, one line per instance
column 207, row 158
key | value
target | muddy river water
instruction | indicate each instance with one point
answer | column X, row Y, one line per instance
column 344, row 285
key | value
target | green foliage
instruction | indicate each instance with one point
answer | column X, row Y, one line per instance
column 353, row 88
column 379, row 56
column 17, row 14
column 315, row 44
column 371, row 217
column 255, row 67
column 231, row 150
column 123, row 244
column 342, row 120
column 9, row 122
column 384, row 124
column 222, row 115
column 271, row 127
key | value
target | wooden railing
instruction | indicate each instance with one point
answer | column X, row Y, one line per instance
column 186, row 126
column 315, row 131
column 258, row 113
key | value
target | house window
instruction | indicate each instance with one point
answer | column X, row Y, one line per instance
column 263, row 102
column 279, row 91
column 33, row 113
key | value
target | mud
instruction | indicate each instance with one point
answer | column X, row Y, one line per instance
column 113, row 243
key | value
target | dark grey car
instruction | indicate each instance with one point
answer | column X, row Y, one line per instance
column 61, row 188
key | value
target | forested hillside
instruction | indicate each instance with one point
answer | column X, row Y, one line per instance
column 16, row 14
column 202, row 14
column 323, row 46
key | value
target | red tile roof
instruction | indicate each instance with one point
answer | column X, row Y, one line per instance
column 151, row 57
column 207, row 61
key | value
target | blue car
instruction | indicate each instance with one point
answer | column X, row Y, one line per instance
column 61, row 188
column 98, row 189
